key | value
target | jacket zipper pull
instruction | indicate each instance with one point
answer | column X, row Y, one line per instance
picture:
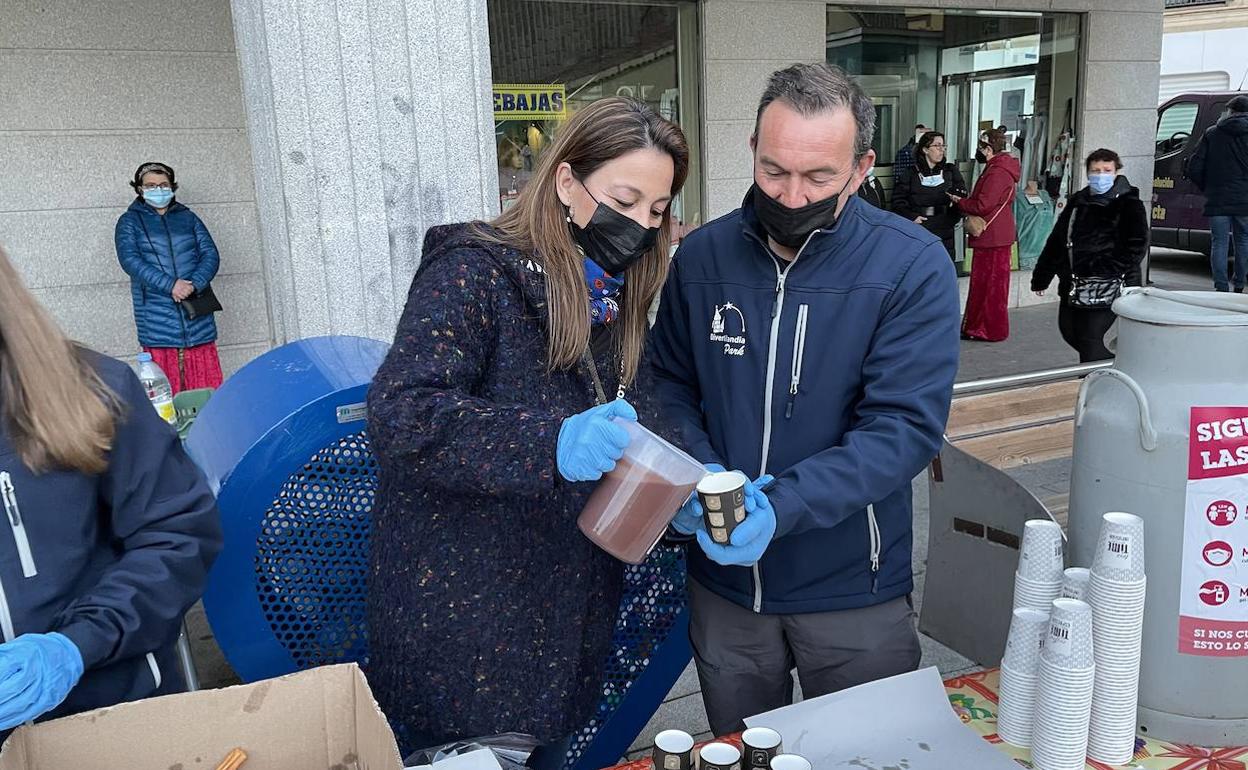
column 788, row 409
column 775, row 301
column 10, row 500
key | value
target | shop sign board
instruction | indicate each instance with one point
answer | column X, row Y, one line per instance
column 540, row 101
column 1213, row 605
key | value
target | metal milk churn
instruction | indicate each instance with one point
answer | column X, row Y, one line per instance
column 1181, row 355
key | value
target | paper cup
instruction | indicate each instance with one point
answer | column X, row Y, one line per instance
column 722, row 496
column 1120, row 550
column 1075, row 583
column 790, row 762
column 762, row 744
column 1068, row 644
column 1040, row 556
column 719, row 756
column 673, row 750
column 1034, row 594
column 1023, row 643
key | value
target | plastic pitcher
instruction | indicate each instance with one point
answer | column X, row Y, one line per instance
column 633, row 504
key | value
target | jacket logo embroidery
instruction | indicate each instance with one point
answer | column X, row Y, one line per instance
column 729, row 316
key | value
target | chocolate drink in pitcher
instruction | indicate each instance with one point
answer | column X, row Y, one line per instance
column 630, row 509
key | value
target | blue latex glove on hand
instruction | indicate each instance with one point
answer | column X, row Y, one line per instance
column 689, row 518
column 37, row 671
column 751, row 537
column 590, row 444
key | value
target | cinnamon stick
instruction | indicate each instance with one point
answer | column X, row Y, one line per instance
column 233, row 760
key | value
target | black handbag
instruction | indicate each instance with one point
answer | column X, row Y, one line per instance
column 1089, row 292
column 201, row 303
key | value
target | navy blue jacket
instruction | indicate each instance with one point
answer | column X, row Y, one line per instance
column 489, row 611
column 834, row 375
column 111, row 561
column 156, row 250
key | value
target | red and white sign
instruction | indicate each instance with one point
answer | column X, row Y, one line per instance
column 1213, row 606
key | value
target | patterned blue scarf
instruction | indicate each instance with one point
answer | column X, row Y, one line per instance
column 603, row 290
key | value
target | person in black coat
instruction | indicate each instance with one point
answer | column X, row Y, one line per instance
column 872, row 191
column 1219, row 167
column 921, row 193
column 492, row 419
column 1102, row 232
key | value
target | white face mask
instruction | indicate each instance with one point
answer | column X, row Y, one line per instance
column 935, row 180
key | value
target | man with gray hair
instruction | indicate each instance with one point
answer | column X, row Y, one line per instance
column 809, row 340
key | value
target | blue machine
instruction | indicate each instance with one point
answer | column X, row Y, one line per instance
column 284, row 446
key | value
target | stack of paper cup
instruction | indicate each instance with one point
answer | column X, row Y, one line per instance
column 1038, row 580
column 1116, row 593
column 1059, row 738
column 1075, row 583
column 1019, row 674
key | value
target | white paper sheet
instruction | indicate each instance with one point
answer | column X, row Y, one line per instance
column 901, row 723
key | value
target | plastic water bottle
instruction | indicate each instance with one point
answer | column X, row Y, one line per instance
column 157, row 386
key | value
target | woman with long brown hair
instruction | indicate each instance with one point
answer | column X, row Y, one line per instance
column 491, row 418
column 112, row 527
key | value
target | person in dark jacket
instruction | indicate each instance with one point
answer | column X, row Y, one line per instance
column 1102, row 232
column 112, row 527
column 1219, row 167
column 169, row 255
column 809, row 337
column 903, row 161
column 987, row 306
column 923, row 194
column 872, row 191
column 491, row 417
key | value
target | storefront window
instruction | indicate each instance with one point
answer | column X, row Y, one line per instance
column 551, row 57
column 962, row 72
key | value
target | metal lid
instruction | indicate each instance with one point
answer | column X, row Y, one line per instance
column 1183, row 308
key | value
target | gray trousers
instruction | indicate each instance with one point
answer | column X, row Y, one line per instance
column 744, row 658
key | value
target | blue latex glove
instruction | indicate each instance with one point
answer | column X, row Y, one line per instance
column 689, row 518
column 37, row 671
column 751, row 537
column 590, row 444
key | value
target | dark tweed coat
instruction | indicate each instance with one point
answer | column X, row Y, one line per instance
column 489, row 611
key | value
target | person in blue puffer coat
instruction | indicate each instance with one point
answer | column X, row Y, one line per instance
column 108, row 529
column 169, row 255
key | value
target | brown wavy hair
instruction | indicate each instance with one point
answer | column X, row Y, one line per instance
column 536, row 225
column 56, row 408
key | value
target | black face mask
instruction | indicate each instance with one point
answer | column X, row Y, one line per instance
column 791, row 227
column 980, row 157
column 615, row 242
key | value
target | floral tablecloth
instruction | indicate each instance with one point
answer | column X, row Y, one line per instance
column 974, row 699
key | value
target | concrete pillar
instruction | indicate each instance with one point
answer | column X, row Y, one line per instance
column 743, row 42
column 1121, row 80
column 369, row 121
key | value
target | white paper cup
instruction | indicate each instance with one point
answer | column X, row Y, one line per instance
column 1016, row 706
column 1068, row 644
column 1036, row 595
column 1120, row 550
column 719, row 756
column 1040, row 556
column 1022, row 644
column 790, row 762
column 1075, row 583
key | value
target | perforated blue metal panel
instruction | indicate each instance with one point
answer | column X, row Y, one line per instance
column 311, row 558
column 284, row 445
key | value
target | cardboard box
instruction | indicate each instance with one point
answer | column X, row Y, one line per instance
column 323, row 719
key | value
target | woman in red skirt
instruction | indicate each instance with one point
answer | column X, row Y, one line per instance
column 987, row 308
column 170, row 257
